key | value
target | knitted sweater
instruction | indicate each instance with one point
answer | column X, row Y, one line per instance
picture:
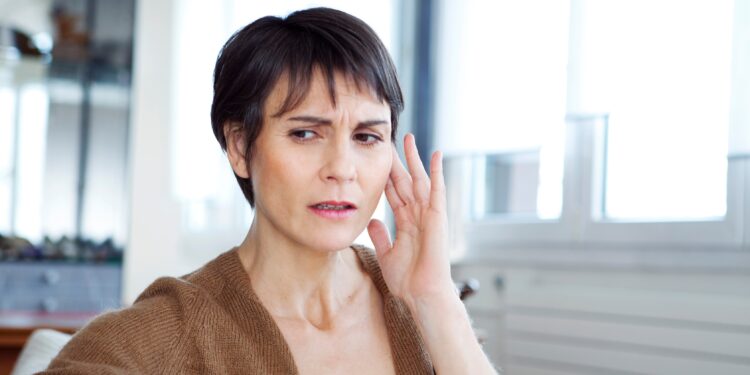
column 211, row 321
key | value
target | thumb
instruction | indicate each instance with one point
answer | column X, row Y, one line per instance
column 380, row 237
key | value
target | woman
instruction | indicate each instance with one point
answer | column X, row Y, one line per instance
column 306, row 109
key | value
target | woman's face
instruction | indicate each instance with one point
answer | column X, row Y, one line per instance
column 318, row 171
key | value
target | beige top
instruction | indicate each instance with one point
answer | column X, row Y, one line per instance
column 211, row 321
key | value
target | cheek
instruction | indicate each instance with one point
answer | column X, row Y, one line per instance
column 376, row 170
column 278, row 175
column 284, row 171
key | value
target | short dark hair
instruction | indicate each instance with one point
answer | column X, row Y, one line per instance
column 254, row 58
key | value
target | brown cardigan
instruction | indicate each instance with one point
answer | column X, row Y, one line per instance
column 211, row 321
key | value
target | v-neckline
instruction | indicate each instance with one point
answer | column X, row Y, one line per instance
column 253, row 302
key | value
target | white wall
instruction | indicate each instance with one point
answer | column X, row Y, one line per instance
column 583, row 319
column 152, row 244
column 158, row 244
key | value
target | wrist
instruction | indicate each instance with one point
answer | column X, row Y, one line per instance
column 444, row 324
column 438, row 296
column 437, row 308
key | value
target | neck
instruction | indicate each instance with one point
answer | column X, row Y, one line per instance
column 298, row 283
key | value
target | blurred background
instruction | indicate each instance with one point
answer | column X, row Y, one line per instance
column 597, row 162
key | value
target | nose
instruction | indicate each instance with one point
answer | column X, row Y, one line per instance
column 339, row 164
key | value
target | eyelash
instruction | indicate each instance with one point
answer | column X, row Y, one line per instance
column 294, row 134
column 376, row 138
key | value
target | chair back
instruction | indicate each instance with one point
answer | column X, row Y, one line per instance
column 41, row 347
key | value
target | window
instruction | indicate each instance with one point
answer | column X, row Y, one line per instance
column 501, row 102
column 595, row 122
column 22, row 149
column 7, row 120
column 664, row 78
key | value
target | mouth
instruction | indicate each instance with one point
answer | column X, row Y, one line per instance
column 333, row 209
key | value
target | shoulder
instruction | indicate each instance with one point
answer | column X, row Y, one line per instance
column 136, row 338
column 148, row 334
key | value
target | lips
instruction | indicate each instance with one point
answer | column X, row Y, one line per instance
column 335, row 210
column 334, row 205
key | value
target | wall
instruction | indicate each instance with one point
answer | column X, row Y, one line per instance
column 583, row 319
column 152, row 241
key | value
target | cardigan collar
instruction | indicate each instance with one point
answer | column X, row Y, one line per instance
column 235, row 289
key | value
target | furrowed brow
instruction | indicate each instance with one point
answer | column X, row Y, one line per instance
column 318, row 121
column 371, row 123
column 311, row 120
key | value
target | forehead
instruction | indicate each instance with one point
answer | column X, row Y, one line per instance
column 318, row 90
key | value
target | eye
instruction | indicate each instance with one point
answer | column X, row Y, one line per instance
column 302, row 135
column 367, row 138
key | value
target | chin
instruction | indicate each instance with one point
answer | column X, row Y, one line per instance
column 326, row 241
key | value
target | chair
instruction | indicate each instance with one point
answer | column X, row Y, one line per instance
column 41, row 347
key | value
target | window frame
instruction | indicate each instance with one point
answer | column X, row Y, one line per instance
column 725, row 232
column 578, row 226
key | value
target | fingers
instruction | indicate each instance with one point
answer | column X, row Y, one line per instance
column 420, row 179
column 437, row 185
column 402, row 182
column 380, row 237
column 393, row 199
column 401, row 215
column 416, row 185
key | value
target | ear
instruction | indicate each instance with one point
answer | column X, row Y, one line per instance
column 235, row 138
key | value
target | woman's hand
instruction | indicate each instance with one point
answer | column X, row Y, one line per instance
column 416, row 267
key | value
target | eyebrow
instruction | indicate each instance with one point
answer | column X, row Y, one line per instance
column 319, row 121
